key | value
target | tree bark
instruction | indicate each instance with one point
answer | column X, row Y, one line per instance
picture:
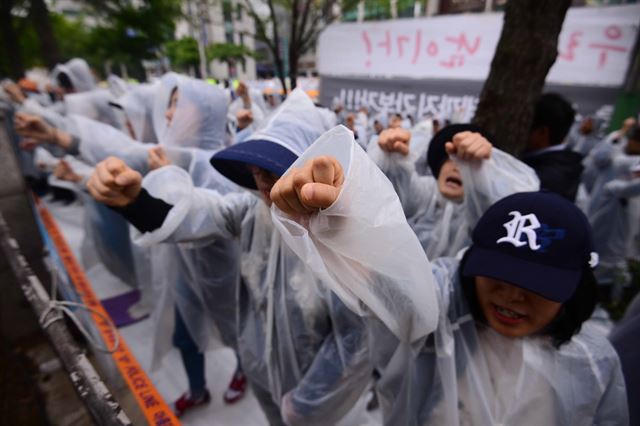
column 293, row 44
column 526, row 51
column 275, row 48
column 293, row 69
column 39, row 15
column 11, row 44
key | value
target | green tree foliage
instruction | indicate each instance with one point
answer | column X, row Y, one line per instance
column 71, row 36
column 228, row 52
column 128, row 34
column 124, row 33
column 183, row 53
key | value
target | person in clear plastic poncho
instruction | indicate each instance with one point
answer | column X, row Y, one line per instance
column 585, row 135
column 443, row 208
column 106, row 236
column 137, row 105
column 74, row 76
column 508, row 347
column 198, row 124
column 90, row 118
column 189, row 132
column 198, row 290
column 613, row 213
column 246, row 112
column 304, row 352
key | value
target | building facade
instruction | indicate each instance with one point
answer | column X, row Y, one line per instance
column 219, row 21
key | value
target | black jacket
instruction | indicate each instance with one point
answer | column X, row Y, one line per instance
column 559, row 171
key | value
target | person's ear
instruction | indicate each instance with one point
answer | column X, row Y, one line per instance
column 539, row 138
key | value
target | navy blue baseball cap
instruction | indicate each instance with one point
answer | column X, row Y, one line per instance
column 232, row 161
column 277, row 144
column 537, row 241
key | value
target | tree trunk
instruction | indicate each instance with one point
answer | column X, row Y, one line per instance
column 526, row 51
column 280, row 68
column 39, row 15
column 294, row 43
column 11, row 44
column 293, row 66
column 293, row 74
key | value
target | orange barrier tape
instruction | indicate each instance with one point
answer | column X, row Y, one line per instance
column 151, row 403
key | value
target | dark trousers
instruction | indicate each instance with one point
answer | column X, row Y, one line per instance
column 192, row 358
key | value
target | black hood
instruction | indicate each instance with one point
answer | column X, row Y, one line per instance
column 558, row 171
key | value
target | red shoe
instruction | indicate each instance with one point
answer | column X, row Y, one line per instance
column 237, row 388
column 185, row 402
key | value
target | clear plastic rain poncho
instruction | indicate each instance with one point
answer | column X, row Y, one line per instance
column 106, row 234
column 583, row 144
column 466, row 373
column 612, row 214
column 459, row 373
column 92, row 104
column 204, row 292
column 117, row 86
column 78, row 72
column 200, row 278
column 258, row 107
column 420, row 139
column 196, row 122
column 137, row 104
column 356, row 262
column 200, row 117
column 442, row 226
column 296, row 340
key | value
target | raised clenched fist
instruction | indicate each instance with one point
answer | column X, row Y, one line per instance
column 395, row 140
column 304, row 190
column 14, row 92
column 64, row 171
column 244, row 118
column 34, row 128
column 469, row 146
column 114, row 183
column 157, row 158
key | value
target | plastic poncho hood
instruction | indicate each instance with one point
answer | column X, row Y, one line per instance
column 283, row 137
column 199, row 118
column 78, row 72
column 117, row 86
column 137, row 104
column 93, row 104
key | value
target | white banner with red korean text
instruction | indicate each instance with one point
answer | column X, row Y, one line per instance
column 595, row 47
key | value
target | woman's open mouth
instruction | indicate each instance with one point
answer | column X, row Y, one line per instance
column 453, row 181
column 507, row 316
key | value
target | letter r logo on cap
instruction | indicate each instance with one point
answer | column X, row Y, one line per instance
column 521, row 225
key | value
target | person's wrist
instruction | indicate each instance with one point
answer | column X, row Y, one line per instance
column 53, row 135
column 76, row 178
column 63, row 139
